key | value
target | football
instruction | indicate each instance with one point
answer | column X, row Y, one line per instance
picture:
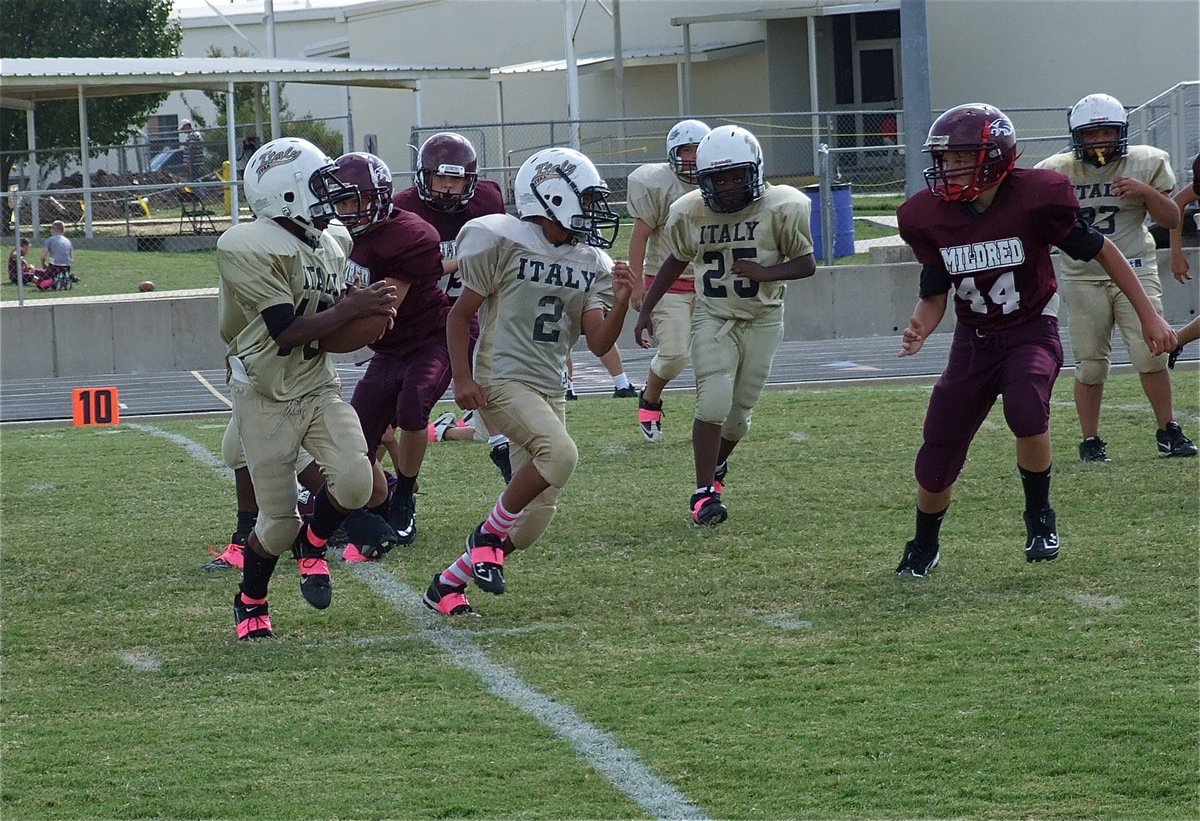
column 355, row 334
column 145, row 286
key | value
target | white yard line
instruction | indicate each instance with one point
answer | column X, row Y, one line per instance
column 209, row 387
column 598, row 748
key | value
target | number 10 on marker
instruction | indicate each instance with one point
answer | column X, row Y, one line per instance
column 95, row 406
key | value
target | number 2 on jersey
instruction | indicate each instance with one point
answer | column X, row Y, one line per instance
column 542, row 330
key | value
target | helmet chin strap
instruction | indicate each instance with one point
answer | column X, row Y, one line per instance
column 301, row 229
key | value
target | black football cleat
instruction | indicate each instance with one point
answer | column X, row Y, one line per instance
column 918, row 560
column 1041, row 536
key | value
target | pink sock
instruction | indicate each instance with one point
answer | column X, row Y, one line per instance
column 457, row 574
column 250, row 600
column 500, row 521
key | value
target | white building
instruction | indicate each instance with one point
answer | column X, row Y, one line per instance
column 717, row 59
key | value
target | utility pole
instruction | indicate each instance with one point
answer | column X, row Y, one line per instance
column 272, row 87
column 572, row 72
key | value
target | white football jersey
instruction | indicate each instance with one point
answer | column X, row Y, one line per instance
column 1121, row 219
column 772, row 229
column 262, row 265
column 652, row 189
column 535, row 296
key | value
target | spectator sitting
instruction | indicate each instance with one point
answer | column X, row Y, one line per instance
column 28, row 272
column 61, row 254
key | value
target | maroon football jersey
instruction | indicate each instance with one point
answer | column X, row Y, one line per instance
column 998, row 261
column 488, row 199
column 404, row 247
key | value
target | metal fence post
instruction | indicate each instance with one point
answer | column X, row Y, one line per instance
column 828, row 229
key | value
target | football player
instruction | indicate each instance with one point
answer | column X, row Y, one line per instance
column 448, row 193
column 746, row 238
column 281, row 290
column 538, row 281
column 1117, row 185
column 983, row 231
column 652, row 188
column 410, row 369
column 308, row 474
column 1179, row 264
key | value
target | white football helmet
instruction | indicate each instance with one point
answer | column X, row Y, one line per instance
column 563, row 185
column 728, row 148
column 1099, row 111
column 684, row 133
column 293, row 179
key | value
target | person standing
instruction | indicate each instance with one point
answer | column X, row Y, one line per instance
column 746, row 239
column 983, row 231
column 410, row 369
column 540, row 279
column 652, row 189
column 282, row 289
column 447, row 193
column 1117, row 185
column 1179, row 264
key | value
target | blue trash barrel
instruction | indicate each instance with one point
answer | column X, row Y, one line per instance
column 843, row 218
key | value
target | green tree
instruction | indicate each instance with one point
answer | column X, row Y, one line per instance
column 82, row 28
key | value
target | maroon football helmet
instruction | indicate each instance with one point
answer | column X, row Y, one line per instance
column 368, row 179
column 975, row 127
column 450, row 155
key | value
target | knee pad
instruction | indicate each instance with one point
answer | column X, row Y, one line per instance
column 1027, row 414
column 276, row 534
column 714, row 399
column 350, row 483
column 668, row 367
column 535, row 519
column 937, row 466
column 1091, row 371
column 736, row 426
column 1144, row 362
column 555, row 457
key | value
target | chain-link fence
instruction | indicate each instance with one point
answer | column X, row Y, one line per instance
column 138, row 204
column 867, row 145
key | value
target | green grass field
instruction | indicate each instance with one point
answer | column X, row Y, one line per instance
column 770, row 668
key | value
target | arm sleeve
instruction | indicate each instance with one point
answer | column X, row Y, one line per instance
column 258, row 279
column 636, row 199
column 680, row 241
column 910, row 225
column 796, row 240
column 935, row 281
column 478, row 258
column 1083, row 241
column 602, row 296
column 1163, row 178
column 278, row 318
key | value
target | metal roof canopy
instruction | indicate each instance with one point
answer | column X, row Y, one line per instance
column 24, row 82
